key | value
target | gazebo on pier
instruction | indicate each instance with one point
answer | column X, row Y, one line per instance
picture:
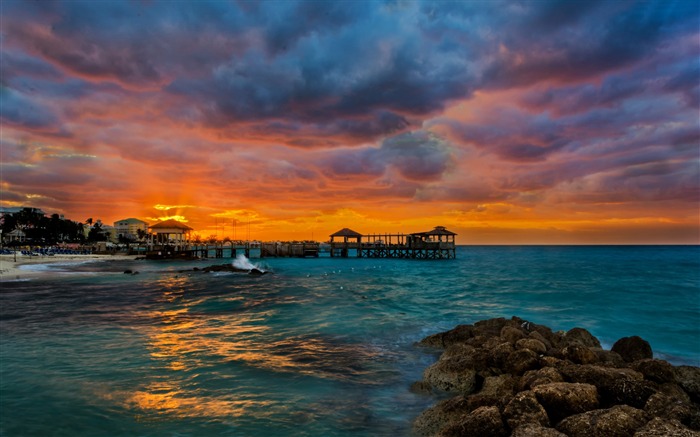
column 341, row 248
column 171, row 232
column 438, row 235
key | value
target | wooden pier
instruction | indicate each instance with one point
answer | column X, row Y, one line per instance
column 346, row 243
column 436, row 244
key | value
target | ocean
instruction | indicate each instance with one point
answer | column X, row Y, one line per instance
column 317, row 347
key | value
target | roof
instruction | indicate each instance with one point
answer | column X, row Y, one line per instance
column 131, row 220
column 439, row 230
column 172, row 223
column 345, row 232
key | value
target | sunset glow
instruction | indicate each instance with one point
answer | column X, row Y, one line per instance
column 507, row 122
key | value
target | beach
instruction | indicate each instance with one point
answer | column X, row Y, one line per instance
column 14, row 270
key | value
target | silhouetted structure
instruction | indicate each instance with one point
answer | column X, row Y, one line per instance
column 436, row 244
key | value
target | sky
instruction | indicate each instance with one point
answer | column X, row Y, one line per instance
column 508, row 122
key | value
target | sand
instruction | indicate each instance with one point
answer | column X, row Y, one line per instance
column 10, row 269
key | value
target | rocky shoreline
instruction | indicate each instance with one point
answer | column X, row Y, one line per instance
column 520, row 379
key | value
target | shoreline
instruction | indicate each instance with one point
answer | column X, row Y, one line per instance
column 10, row 270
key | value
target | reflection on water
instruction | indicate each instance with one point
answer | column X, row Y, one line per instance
column 169, row 399
column 201, row 347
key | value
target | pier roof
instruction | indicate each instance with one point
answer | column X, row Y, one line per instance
column 346, row 232
column 170, row 224
column 439, row 230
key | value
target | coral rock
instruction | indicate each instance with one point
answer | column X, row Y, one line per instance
column 620, row 420
column 633, row 348
column 562, row 399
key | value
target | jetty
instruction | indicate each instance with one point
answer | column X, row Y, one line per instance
column 437, row 244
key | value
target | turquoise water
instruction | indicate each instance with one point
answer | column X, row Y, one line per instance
column 321, row 347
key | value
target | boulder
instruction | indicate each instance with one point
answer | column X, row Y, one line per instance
column 579, row 354
column 689, row 379
column 615, row 386
column 620, row 420
column 545, row 375
column 421, row 387
column 535, row 430
column 452, row 374
column 659, row 427
column 492, row 327
column 498, row 355
column 609, row 358
column 562, row 399
column 511, row 334
column 523, row 409
column 522, row 360
column 582, row 337
column 484, row 421
column 536, row 335
column 655, row 370
column 669, row 407
column 633, row 348
column 459, row 334
column 498, row 387
column 441, row 415
column 530, row 343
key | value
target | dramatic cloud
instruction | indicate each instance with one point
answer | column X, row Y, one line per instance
column 516, row 115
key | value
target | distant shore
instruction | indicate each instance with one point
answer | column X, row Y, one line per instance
column 10, row 269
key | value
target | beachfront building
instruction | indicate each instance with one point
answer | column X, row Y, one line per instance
column 129, row 228
column 15, row 235
column 170, row 232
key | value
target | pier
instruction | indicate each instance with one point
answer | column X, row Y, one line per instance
column 436, row 244
column 431, row 245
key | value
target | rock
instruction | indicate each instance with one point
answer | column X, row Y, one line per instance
column 669, row 407
column 535, row 335
column 688, row 378
column 498, row 387
column 579, row 354
column 535, row 430
column 511, row 334
column 615, row 386
column 620, row 420
column 441, row 415
column 655, row 370
column 484, row 421
column 421, row 387
column 675, row 391
column 562, row 399
column 498, row 356
column 522, row 360
column 257, row 272
column 492, row 327
column 452, row 374
column 128, row 272
column 523, row 409
column 545, row 375
column 659, row 427
column 582, row 337
column 633, row 348
column 530, row 343
column 609, row 358
column 459, row 334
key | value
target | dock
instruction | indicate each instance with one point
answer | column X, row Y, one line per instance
column 437, row 244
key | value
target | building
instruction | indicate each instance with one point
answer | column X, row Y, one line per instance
column 129, row 228
column 171, row 231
